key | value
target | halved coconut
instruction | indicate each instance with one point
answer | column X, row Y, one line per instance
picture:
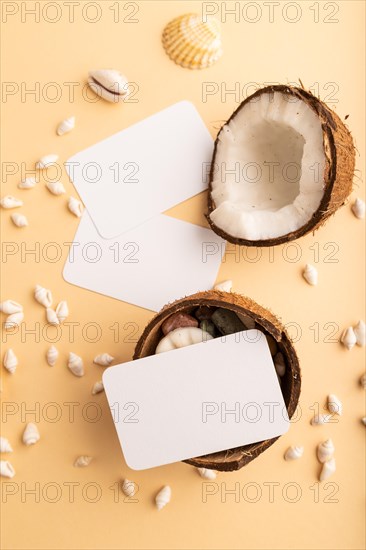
column 282, row 164
column 231, row 459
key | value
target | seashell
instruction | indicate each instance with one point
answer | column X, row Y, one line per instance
column 348, row 338
column 360, row 333
column 163, row 497
column 52, row 356
column 192, row 43
column 5, row 446
column 328, row 469
column 128, row 488
column 10, row 202
column 19, row 220
column 10, row 306
column 31, row 434
column 363, row 420
column 75, row 207
column 98, row 387
column 46, row 161
column 363, row 380
column 6, row 469
column 104, row 359
column 206, row 473
column 181, row 337
column 43, row 296
column 310, row 274
column 10, row 361
column 358, row 208
column 82, row 461
column 56, row 187
column 325, row 450
column 27, row 183
column 334, row 404
column 52, row 318
column 66, row 126
column 13, row 320
column 62, row 311
column 320, row 419
column 75, row 364
column 279, row 363
column 109, row 84
column 225, row 286
column 294, row 453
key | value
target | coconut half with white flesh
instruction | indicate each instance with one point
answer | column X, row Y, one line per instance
column 282, row 164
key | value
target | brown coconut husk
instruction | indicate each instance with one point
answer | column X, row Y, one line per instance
column 338, row 174
column 231, row 459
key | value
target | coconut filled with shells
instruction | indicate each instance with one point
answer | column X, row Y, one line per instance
column 213, row 314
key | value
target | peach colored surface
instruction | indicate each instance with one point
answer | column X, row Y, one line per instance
column 277, row 504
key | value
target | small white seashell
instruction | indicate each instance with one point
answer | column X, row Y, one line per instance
column 43, row 296
column 294, row 453
column 56, row 187
column 52, row 318
column 328, row 469
column 360, row 333
column 225, row 286
column 5, row 446
column 82, row 461
column 163, row 497
column 62, row 311
column 19, row 219
column 206, row 473
column 6, row 469
column 109, row 84
column 325, row 450
column 310, row 274
column 348, row 338
column 31, row 434
column 75, row 207
column 52, row 356
column 320, row 419
column 181, row 337
column 279, row 363
column 98, row 387
column 10, row 361
column 27, row 183
column 334, row 404
column 363, row 420
column 363, row 380
column 128, row 488
column 66, row 126
column 104, row 359
column 75, row 364
column 13, row 320
column 10, row 202
column 46, row 161
column 10, row 306
column 358, row 208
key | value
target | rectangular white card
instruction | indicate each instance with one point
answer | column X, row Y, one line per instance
column 208, row 397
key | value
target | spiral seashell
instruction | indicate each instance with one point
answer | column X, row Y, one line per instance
column 104, row 359
column 181, row 337
column 279, row 363
column 225, row 286
column 83, row 461
column 43, row 296
column 62, row 311
column 363, row 381
column 294, row 453
column 5, row 446
column 10, row 306
column 128, row 488
column 46, row 161
column 109, row 84
column 328, row 469
column 348, row 338
column 55, row 187
column 6, row 469
column 98, row 387
column 358, row 208
column 13, row 320
column 27, row 183
column 320, row 419
column 360, row 333
column 51, row 316
column 52, row 356
column 31, row 434
column 10, row 361
column 191, row 42
column 334, row 404
column 66, row 126
column 9, row 201
column 206, row 473
column 19, row 220
column 310, row 274
column 75, row 364
column 163, row 497
column 75, row 207
column 325, row 450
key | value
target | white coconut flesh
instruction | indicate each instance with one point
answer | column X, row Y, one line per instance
column 268, row 174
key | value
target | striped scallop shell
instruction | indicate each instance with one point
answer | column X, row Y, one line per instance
column 192, row 43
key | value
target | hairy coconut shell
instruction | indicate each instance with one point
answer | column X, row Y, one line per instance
column 339, row 153
column 231, row 459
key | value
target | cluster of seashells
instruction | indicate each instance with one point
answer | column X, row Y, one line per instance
column 324, row 453
column 14, row 313
column 354, row 335
column 54, row 316
column 30, row 437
